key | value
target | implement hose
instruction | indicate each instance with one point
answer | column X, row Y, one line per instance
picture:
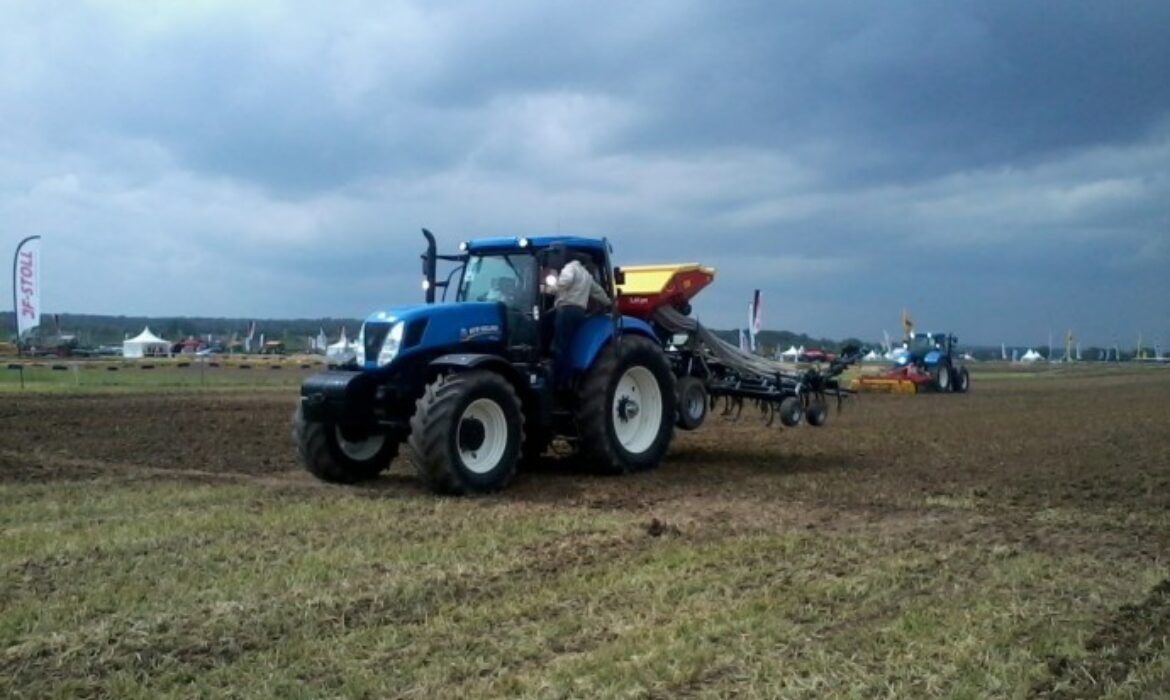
column 707, row 343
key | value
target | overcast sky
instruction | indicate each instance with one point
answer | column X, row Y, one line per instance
column 998, row 168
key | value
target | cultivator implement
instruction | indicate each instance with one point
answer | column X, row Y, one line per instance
column 728, row 376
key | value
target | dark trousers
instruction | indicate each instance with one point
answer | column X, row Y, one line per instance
column 567, row 320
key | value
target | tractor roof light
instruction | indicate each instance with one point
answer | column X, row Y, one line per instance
column 426, row 284
column 523, row 242
column 463, row 247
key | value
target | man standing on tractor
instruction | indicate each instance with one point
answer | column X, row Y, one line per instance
column 574, row 286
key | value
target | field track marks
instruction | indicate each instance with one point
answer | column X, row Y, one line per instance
column 36, row 465
column 1133, row 636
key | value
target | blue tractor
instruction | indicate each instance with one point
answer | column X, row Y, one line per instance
column 467, row 386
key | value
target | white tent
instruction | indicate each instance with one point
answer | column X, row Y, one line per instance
column 343, row 350
column 146, row 344
column 790, row 354
column 1031, row 356
column 871, row 356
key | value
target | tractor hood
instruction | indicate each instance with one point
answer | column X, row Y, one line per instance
column 396, row 333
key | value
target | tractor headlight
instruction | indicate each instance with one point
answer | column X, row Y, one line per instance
column 390, row 346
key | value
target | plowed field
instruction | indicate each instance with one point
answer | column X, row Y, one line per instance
column 1009, row 542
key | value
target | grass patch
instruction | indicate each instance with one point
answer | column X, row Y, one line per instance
column 169, row 589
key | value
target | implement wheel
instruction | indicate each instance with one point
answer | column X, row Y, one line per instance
column 330, row 456
column 791, row 411
column 817, row 413
column 692, row 403
column 627, row 411
column 466, row 433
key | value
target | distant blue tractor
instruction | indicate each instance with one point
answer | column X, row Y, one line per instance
column 468, row 386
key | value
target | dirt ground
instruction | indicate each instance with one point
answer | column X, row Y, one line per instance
column 1101, row 438
column 981, row 468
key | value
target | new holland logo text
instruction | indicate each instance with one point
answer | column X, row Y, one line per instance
column 477, row 331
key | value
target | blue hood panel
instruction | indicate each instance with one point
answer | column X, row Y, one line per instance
column 471, row 325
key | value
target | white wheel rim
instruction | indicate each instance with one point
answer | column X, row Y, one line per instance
column 483, row 457
column 360, row 450
column 637, row 410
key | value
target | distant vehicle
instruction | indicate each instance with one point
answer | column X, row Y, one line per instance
column 930, row 361
column 816, row 355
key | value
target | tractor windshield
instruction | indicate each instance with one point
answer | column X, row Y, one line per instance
column 921, row 344
column 510, row 278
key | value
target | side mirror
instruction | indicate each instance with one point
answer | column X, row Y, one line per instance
column 619, row 276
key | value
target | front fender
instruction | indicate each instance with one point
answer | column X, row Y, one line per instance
column 597, row 331
column 468, row 360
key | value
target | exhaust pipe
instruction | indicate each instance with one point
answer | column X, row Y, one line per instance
column 429, row 266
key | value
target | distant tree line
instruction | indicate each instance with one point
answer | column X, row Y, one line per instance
column 97, row 329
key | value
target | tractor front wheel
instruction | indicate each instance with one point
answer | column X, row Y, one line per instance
column 330, row 456
column 466, row 433
column 627, row 410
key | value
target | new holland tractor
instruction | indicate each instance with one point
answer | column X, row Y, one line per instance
column 467, row 386
column 930, row 361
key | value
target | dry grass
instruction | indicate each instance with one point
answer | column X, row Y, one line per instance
column 998, row 549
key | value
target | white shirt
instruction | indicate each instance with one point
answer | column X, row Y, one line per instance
column 574, row 287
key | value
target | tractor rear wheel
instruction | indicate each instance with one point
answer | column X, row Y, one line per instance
column 962, row 381
column 941, row 377
column 466, row 433
column 330, row 456
column 692, row 403
column 627, row 410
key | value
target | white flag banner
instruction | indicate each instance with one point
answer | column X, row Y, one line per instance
column 26, row 284
column 754, row 320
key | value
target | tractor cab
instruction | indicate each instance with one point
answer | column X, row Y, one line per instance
column 513, row 273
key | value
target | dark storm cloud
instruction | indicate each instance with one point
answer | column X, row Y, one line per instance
column 998, row 166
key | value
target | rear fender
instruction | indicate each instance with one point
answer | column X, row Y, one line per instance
column 597, row 331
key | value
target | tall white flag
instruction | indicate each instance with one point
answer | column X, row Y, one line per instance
column 754, row 318
column 26, row 284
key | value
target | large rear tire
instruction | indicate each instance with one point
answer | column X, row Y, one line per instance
column 962, row 381
column 941, row 378
column 329, row 456
column 466, row 433
column 627, row 411
column 692, row 403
